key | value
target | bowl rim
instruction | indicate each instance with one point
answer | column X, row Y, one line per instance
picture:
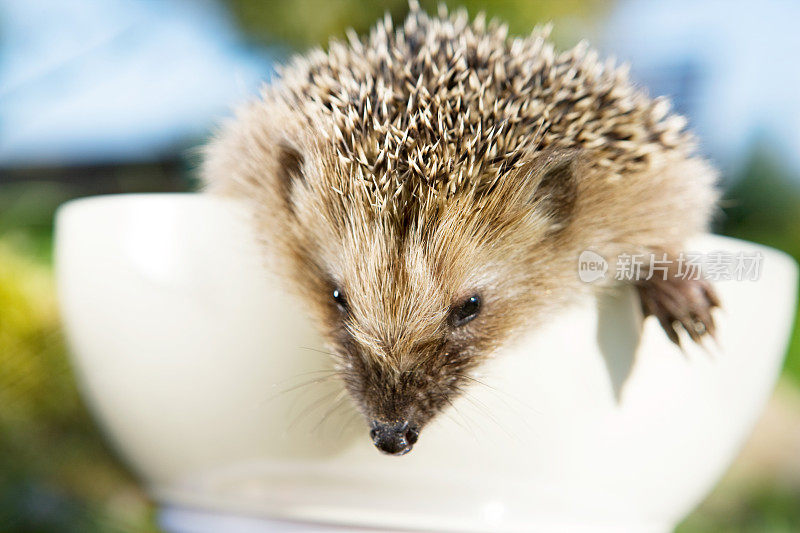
column 101, row 201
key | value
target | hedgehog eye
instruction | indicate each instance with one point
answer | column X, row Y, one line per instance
column 341, row 301
column 465, row 311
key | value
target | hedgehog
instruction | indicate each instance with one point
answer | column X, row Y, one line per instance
column 426, row 191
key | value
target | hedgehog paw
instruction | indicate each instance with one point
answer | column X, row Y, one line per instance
column 680, row 303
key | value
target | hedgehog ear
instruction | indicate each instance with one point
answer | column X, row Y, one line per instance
column 555, row 180
column 289, row 171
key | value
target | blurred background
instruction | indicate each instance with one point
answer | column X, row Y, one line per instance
column 110, row 96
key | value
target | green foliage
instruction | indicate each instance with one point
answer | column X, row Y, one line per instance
column 56, row 474
column 773, row 509
column 305, row 23
column 764, row 206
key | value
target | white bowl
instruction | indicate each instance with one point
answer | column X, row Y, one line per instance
column 191, row 357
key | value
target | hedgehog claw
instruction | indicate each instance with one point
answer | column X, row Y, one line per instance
column 680, row 304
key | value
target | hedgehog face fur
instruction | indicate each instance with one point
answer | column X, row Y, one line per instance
column 427, row 191
column 413, row 304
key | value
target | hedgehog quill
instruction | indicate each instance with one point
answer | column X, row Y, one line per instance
column 427, row 190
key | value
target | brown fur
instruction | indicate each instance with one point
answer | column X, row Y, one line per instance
column 421, row 165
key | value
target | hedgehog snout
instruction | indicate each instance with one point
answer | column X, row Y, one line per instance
column 394, row 438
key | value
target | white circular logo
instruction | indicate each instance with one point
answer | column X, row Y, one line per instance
column 591, row 266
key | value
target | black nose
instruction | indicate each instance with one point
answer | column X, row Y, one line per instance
column 394, row 438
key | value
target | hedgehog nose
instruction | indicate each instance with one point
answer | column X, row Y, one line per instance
column 394, row 438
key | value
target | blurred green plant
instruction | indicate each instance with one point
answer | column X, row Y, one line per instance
column 26, row 217
column 55, row 472
column 764, row 509
column 305, row 23
column 763, row 206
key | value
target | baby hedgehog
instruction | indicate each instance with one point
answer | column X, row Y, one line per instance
column 428, row 190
